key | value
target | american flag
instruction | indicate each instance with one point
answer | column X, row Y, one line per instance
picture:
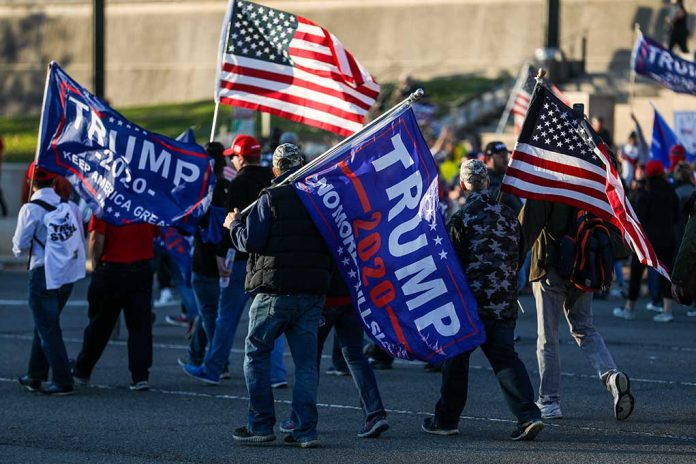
column 559, row 158
column 283, row 64
column 525, row 87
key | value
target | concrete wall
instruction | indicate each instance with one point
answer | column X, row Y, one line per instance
column 163, row 51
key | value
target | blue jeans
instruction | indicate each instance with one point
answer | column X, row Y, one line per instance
column 523, row 272
column 207, row 292
column 184, row 288
column 298, row 317
column 231, row 304
column 278, row 373
column 349, row 332
column 511, row 372
column 48, row 349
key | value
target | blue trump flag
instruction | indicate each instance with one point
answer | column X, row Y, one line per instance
column 652, row 60
column 375, row 202
column 188, row 136
column 663, row 139
column 125, row 173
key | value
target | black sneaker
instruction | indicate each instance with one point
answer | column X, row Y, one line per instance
column 56, row 390
column 380, row 366
column 432, row 368
column 429, row 426
column 306, row 443
column 527, row 431
column 374, row 427
column 243, row 435
column 30, row 384
column 619, row 386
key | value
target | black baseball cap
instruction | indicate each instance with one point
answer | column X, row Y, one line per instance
column 495, row 147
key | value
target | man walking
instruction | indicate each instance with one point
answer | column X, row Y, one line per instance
column 289, row 269
column 543, row 225
column 223, row 305
column 485, row 235
column 121, row 280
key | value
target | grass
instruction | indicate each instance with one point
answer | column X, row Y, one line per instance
column 20, row 132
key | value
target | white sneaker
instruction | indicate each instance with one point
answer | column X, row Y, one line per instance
column 653, row 307
column 663, row 317
column 550, row 410
column 619, row 386
column 691, row 312
column 166, row 296
column 615, row 292
column 624, row 313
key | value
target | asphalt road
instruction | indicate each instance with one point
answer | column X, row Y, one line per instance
column 180, row 420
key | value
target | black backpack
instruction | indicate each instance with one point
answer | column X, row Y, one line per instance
column 586, row 256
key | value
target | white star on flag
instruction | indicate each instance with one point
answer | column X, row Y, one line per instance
column 438, row 240
column 443, row 254
column 352, row 274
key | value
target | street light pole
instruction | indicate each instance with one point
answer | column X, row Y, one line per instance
column 552, row 25
column 98, row 49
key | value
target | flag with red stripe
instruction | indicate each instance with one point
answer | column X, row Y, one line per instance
column 283, row 64
column 524, row 89
column 559, row 158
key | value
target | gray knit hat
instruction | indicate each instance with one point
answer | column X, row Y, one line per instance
column 473, row 171
column 287, row 156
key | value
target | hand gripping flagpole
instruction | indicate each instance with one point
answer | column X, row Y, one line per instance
column 416, row 95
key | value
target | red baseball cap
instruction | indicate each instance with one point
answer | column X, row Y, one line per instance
column 245, row 146
column 39, row 173
column 654, row 168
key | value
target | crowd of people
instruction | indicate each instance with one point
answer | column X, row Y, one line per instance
column 275, row 259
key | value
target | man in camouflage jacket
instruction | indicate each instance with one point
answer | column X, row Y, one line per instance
column 485, row 235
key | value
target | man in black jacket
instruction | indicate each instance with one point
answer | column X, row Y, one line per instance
column 289, row 269
column 231, row 266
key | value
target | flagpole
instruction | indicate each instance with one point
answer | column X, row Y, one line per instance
column 215, row 115
column 38, row 150
column 223, row 44
column 632, row 75
column 539, row 78
column 416, row 95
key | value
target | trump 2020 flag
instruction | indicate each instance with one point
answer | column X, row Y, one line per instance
column 663, row 139
column 375, row 203
column 125, row 173
column 280, row 63
column 652, row 60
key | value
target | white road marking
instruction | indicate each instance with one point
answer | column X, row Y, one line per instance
column 168, row 346
column 392, row 411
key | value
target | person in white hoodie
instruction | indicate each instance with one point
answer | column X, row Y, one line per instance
column 50, row 283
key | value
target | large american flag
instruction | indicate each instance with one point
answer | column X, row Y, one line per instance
column 524, row 88
column 559, row 158
column 283, row 64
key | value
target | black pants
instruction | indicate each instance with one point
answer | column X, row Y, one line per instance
column 499, row 348
column 666, row 255
column 115, row 287
column 678, row 40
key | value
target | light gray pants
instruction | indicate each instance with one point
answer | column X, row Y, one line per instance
column 554, row 297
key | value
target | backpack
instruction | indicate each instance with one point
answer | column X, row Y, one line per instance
column 64, row 250
column 586, row 256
